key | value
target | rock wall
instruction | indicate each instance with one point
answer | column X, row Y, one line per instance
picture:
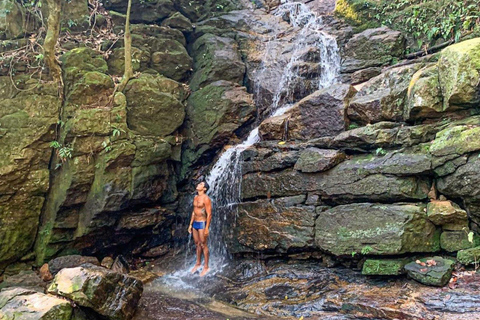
column 367, row 170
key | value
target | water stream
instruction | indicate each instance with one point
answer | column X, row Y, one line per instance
column 225, row 178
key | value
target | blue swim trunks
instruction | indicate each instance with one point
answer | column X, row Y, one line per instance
column 198, row 225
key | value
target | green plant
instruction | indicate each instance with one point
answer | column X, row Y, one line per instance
column 65, row 152
column 354, row 253
column 107, row 146
column 55, row 144
column 380, row 152
column 366, row 250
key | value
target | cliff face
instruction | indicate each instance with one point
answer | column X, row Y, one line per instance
column 357, row 166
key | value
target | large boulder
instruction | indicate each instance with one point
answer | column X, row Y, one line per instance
column 171, row 59
column 279, row 225
column 153, row 109
column 373, row 48
column 108, row 293
column 459, row 74
column 469, row 256
column 25, row 304
column 13, row 23
column 217, row 111
column 382, row 98
column 318, row 115
column 216, row 58
column 376, row 229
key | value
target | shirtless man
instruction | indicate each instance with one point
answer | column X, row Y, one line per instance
column 199, row 224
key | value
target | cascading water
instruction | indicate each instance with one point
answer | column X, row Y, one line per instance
column 225, row 177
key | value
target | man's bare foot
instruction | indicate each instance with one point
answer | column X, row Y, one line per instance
column 204, row 271
column 195, row 268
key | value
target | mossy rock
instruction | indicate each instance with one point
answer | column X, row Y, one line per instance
column 456, row 141
column 171, row 59
column 424, row 95
column 116, row 61
column 150, row 111
column 453, row 241
column 384, row 267
column 459, row 74
column 178, row 21
column 469, row 256
column 437, row 274
column 376, row 230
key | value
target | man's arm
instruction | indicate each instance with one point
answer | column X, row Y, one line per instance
column 208, row 209
column 191, row 222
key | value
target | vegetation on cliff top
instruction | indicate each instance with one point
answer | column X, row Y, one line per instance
column 424, row 21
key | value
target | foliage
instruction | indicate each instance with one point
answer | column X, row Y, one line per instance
column 424, row 20
column 63, row 152
column 366, row 250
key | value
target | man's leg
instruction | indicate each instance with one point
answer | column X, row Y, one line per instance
column 198, row 248
column 203, row 243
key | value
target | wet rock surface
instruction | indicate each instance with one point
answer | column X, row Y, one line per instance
column 292, row 289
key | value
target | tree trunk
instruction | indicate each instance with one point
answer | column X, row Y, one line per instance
column 128, row 73
column 51, row 38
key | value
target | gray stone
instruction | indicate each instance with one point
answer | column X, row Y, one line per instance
column 318, row 160
column 437, row 271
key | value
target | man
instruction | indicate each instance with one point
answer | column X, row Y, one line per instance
column 200, row 224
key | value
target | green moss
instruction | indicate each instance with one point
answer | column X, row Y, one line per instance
column 384, row 267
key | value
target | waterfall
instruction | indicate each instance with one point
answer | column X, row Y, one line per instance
column 225, row 177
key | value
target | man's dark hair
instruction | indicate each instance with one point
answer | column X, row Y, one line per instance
column 206, row 185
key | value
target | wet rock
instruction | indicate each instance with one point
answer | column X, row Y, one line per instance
column 108, row 293
column 178, row 21
column 156, row 251
column 317, row 115
column 382, row 98
column 20, row 303
column 375, row 230
column 318, row 160
column 384, row 267
column 464, row 305
column 469, row 256
column 424, row 95
column 278, row 225
column 459, row 74
column 372, row 48
column 435, row 271
column 120, row 265
column 216, row 58
column 445, row 212
column 71, row 261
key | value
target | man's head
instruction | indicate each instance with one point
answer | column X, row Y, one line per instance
column 202, row 186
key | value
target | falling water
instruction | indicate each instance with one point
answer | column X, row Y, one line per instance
column 225, row 177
